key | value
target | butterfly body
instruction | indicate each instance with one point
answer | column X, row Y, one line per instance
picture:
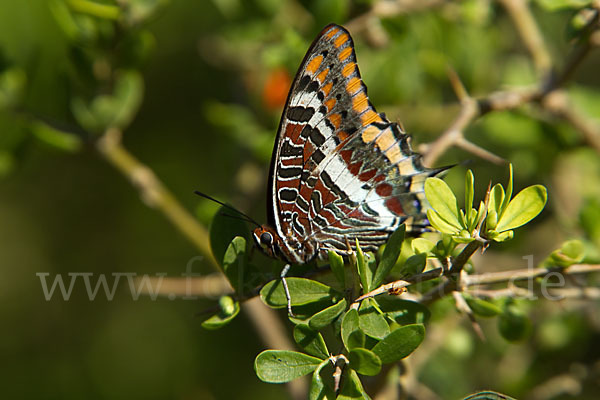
column 340, row 171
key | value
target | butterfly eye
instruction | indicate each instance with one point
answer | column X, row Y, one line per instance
column 266, row 239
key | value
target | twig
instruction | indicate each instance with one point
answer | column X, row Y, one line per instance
column 339, row 363
column 472, row 109
column 524, row 274
column 557, row 102
column 575, row 293
column 530, row 33
column 462, row 306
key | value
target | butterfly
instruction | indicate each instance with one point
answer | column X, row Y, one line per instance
column 340, row 171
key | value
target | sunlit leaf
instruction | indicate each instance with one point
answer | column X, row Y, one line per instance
column 443, row 201
column 229, row 310
column 336, row 262
column 525, row 206
column 390, row 256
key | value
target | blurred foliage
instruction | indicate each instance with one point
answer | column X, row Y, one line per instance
column 197, row 89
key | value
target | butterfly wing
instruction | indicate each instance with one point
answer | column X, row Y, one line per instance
column 341, row 170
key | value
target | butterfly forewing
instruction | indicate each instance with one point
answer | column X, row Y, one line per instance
column 340, row 170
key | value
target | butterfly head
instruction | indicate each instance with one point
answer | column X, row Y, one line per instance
column 288, row 249
column 267, row 240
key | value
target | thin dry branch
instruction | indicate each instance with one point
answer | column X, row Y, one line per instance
column 528, row 30
column 472, row 109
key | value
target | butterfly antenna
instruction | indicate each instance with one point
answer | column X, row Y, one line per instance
column 246, row 217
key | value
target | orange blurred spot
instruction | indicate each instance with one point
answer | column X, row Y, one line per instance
column 276, row 88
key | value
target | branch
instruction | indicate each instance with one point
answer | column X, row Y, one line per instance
column 471, row 280
column 528, row 30
column 472, row 109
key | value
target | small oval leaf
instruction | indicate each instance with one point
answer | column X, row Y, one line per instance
column 234, row 262
column 422, row 245
column 361, row 265
column 400, row 343
column 222, row 231
column 414, row 265
column 440, row 224
column 302, row 291
column 311, row 341
column 481, row 307
column 364, row 361
column 349, row 325
column 442, row 200
column 229, row 310
column 371, row 322
column 327, row 316
column 526, row 205
column 390, row 256
column 513, row 324
column 336, row 262
column 279, row 366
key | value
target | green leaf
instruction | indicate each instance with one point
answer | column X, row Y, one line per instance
column 364, row 361
column 361, row 266
column 302, row 291
column 222, row 231
column 414, row 265
column 399, row 343
column 500, row 237
column 526, row 205
column 128, row 95
column 56, row 138
column 336, row 262
column 327, row 316
column 351, row 387
column 349, row 326
column 442, row 200
column 279, row 366
column 311, row 341
column 422, row 245
column 513, row 324
column 481, row 307
column 229, row 310
column 440, row 224
column 234, row 262
column 509, row 190
column 318, row 389
column 404, row 312
column 390, row 256
column 111, row 110
column 571, row 252
column 12, row 86
column 488, row 395
column 469, row 194
column 479, row 216
column 371, row 322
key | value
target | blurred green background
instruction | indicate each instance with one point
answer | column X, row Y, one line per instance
column 215, row 74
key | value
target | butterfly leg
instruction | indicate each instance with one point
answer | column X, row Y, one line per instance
column 284, row 272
